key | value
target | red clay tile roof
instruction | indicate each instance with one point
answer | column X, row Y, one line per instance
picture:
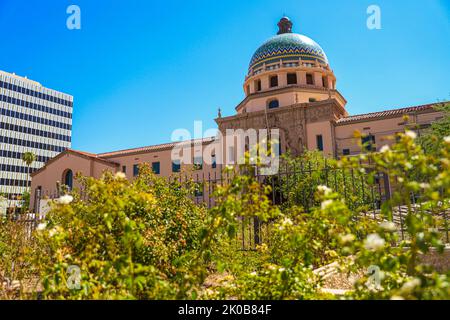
column 81, row 153
column 92, row 156
column 157, row 147
column 104, row 156
column 88, row 154
column 386, row 113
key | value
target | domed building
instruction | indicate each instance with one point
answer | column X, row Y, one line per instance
column 286, row 69
column 289, row 86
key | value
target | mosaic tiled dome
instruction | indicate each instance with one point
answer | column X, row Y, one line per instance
column 287, row 46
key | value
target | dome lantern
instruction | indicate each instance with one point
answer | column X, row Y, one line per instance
column 284, row 25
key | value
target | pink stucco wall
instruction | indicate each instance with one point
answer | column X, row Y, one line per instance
column 52, row 173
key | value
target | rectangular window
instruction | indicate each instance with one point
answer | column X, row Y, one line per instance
column 213, row 161
column 309, row 78
column 124, row 169
column 230, row 155
column 319, row 142
column 273, row 81
column 346, row 152
column 176, row 166
column 368, row 143
column 135, row 170
column 156, row 167
column 258, row 85
column 291, row 78
column 198, row 163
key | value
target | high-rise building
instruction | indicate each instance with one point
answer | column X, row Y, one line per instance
column 32, row 119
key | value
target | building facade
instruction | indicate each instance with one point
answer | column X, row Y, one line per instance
column 290, row 87
column 32, row 119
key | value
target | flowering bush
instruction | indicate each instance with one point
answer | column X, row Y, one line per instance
column 128, row 239
column 422, row 187
column 332, row 232
column 17, row 276
column 146, row 239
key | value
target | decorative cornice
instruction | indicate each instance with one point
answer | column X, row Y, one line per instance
column 288, row 88
column 307, row 106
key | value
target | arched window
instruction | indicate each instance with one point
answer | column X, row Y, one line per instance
column 68, row 178
column 273, row 104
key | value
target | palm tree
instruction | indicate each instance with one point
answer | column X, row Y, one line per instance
column 28, row 158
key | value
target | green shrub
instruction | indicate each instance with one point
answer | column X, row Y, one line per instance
column 129, row 239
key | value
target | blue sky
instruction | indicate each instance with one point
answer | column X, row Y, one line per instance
column 140, row 69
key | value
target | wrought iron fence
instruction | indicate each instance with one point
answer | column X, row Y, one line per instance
column 27, row 222
column 295, row 183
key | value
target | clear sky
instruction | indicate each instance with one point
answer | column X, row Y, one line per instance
column 140, row 69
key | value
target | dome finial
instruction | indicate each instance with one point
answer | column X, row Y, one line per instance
column 285, row 25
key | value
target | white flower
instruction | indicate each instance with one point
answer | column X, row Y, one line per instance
column 424, row 185
column 410, row 285
column 120, row 175
column 433, row 230
column 65, row 199
column 325, row 204
column 287, row 222
column 253, row 273
column 52, row 232
column 41, row 226
column 388, row 226
column 411, row 134
column 281, row 269
column 397, row 298
column 447, row 139
column 385, row 148
column 324, row 189
column 348, row 238
column 408, row 165
column 374, row 242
